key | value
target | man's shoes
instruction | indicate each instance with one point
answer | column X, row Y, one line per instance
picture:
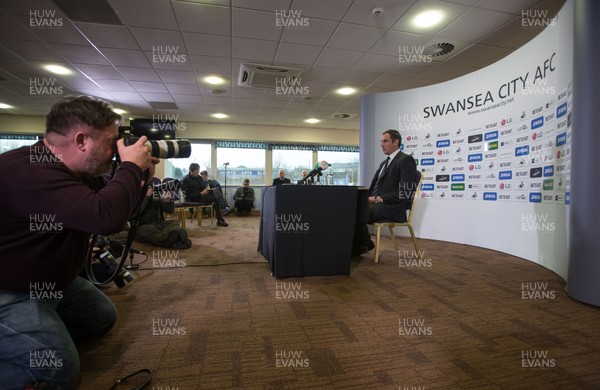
column 362, row 249
column 227, row 211
column 222, row 223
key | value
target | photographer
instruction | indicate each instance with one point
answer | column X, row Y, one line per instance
column 244, row 198
column 51, row 202
column 196, row 189
column 153, row 228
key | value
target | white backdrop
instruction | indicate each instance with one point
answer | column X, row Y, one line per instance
column 493, row 147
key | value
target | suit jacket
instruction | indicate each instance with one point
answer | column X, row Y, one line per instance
column 396, row 187
column 277, row 181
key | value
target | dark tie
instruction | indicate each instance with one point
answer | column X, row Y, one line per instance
column 382, row 170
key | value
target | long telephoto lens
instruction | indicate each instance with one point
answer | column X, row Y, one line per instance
column 170, row 148
column 165, row 148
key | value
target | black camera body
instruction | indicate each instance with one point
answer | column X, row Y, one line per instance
column 109, row 263
column 163, row 148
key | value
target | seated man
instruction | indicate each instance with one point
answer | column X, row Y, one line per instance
column 153, row 228
column 197, row 190
column 244, row 198
column 391, row 190
column 215, row 186
column 281, row 179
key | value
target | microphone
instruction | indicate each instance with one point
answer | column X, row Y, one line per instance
column 320, row 166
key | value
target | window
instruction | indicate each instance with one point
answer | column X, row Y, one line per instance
column 293, row 162
column 345, row 166
column 177, row 168
column 241, row 163
column 15, row 141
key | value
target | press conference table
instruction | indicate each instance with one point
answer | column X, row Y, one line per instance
column 308, row 230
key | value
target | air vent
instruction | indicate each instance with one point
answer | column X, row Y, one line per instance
column 341, row 115
column 91, row 11
column 268, row 76
column 439, row 49
column 163, row 105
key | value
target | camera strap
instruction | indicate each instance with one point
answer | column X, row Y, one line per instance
column 124, row 379
column 134, row 222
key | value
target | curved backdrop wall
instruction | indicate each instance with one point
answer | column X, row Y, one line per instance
column 493, row 147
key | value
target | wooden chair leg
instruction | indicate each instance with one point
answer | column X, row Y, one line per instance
column 182, row 217
column 414, row 240
column 212, row 214
column 377, row 243
column 391, row 228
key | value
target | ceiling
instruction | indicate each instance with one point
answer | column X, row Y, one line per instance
column 149, row 57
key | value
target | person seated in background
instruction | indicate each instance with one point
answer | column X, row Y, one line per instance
column 244, row 198
column 216, row 188
column 310, row 180
column 197, row 190
column 281, row 179
column 153, row 228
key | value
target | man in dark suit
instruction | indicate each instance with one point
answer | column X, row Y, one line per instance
column 281, row 179
column 391, row 190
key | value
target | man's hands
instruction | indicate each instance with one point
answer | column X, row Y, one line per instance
column 138, row 154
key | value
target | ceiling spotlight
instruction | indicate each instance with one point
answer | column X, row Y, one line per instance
column 312, row 120
column 214, row 80
column 119, row 111
column 219, row 115
column 428, row 18
column 346, row 91
column 5, row 106
column 57, row 69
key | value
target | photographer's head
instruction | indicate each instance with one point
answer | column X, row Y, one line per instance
column 204, row 175
column 246, row 183
column 83, row 130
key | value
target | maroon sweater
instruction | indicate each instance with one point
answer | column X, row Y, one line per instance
column 47, row 214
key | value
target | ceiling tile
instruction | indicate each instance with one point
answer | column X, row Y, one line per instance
column 254, row 49
column 319, row 33
column 202, row 18
column 255, row 24
column 104, row 35
column 481, row 22
column 330, row 10
column 336, row 58
column 146, row 13
column 207, row 44
column 290, row 53
column 361, row 12
column 355, row 37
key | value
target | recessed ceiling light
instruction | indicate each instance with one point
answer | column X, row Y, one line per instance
column 428, row 18
column 346, row 91
column 219, row 115
column 214, row 80
column 5, row 106
column 57, row 69
column 119, row 111
column 312, row 120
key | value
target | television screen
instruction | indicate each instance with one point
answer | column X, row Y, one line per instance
column 154, row 129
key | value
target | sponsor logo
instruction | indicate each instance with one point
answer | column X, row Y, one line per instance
column 490, row 196
column 458, row 177
column 491, row 145
column 505, row 175
column 427, row 161
column 427, row 187
column 443, row 143
column 475, row 157
column 561, row 110
column 537, row 122
column 561, row 139
column 549, row 171
column 458, row 187
column 548, row 185
column 535, row 172
column 475, row 138
column 535, row 197
column 522, row 150
column 442, row 178
column 492, row 135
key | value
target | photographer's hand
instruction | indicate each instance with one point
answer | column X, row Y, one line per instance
column 137, row 153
